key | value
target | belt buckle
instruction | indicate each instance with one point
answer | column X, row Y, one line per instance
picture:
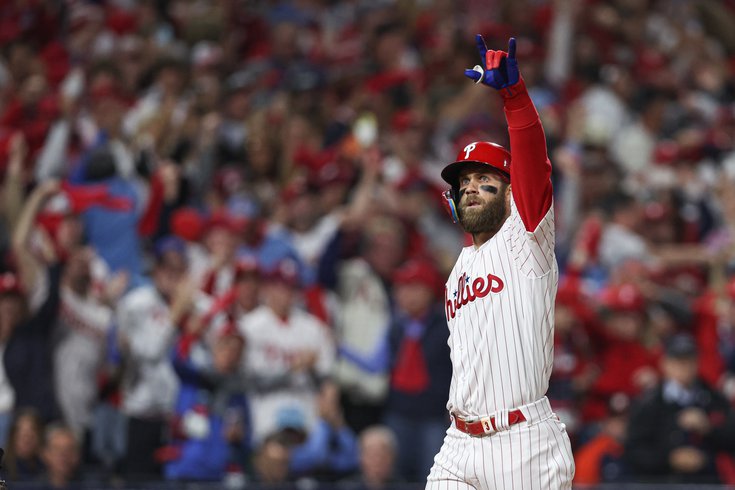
column 466, row 423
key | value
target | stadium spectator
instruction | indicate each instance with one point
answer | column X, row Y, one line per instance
column 212, row 424
column 289, row 353
column 678, row 430
column 84, row 323
column 420, row 368
column 23, row 452
column 61, row 457
column 270, row 461
column 601, row 458
column 148, row 318
column 329, row 451
column 28, row 357
column 416, row 354
column 378, row 453
column 362, row 286
column 11, row 312
column 574, row 368
column 714, row 322
column 626, row 365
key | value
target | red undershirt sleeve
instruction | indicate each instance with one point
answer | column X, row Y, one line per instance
column 530, row 169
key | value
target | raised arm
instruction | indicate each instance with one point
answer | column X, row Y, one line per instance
column 530, row 168
column 29, row 267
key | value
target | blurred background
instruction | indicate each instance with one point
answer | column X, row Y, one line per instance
column 222, row 247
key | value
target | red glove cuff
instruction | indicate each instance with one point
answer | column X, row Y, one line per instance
column 516, row 96
column 519, row 109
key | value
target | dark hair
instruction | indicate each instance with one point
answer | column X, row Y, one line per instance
column 100, row 165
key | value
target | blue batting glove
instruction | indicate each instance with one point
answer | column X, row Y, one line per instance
column 499, row 69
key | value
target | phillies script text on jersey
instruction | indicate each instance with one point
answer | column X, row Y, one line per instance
column 467, row 292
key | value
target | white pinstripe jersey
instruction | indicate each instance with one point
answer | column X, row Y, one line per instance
column 499, row 302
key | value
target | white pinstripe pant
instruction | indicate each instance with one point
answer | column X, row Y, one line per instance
column 531, row 455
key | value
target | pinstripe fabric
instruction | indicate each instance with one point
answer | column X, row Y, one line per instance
column 533, row 455
column 499, row 301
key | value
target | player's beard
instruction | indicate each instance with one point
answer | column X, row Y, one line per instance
column 487, row 218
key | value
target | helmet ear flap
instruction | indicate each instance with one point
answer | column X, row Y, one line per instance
column 448, row 200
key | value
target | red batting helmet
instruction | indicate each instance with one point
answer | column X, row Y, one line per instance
column 482, row 152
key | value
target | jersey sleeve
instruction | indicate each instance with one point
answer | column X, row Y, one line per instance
column 532, row 251
column 532, row 215
column 530, row 170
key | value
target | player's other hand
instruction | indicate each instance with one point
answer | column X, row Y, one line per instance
column 498, row 69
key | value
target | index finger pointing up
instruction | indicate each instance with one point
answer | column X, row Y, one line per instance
column 512, row 48
column 481, row 47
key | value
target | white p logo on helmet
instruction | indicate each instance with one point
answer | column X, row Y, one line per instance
column 468, row 149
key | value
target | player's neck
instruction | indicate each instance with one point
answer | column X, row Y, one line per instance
column 479, row 239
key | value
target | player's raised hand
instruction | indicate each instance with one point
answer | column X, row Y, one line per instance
column 499, row 69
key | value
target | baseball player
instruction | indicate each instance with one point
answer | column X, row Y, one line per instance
column 499, row 303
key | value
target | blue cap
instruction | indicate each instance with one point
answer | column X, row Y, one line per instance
column 290, row 418
column 169, row 243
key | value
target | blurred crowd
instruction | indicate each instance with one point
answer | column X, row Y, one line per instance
column 223, row 248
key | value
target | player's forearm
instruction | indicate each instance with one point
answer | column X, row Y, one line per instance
column 527, row 138
column 518, row 106
column 530, row 169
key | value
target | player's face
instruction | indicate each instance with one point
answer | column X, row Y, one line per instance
column 483, row 202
